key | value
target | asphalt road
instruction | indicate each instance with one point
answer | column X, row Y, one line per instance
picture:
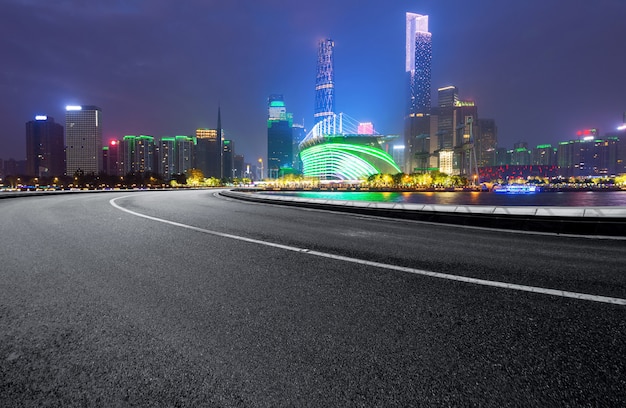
column 216, row 302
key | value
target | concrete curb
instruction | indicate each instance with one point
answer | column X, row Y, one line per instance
column 596, row 221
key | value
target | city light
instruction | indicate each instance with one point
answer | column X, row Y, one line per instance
column 73, row 108
column 622, row 127
column 345, row 161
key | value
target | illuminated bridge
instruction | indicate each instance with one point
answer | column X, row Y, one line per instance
column 336, row 149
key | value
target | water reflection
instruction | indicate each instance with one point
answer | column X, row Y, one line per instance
column 567, row 199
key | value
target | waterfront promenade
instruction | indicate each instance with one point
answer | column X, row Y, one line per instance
column 596, row 221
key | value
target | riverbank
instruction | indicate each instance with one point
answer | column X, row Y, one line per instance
column 593, row 221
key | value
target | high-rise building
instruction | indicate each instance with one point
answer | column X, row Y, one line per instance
column 465, row 159
column 239, row 165
column 83, row 139
column 228, row 165
column 417, row 130
column 486, row 142
column 111, row 159
column 588, row 156
column 418, row 62
column 45, row 154
column 299, row 133
column 448, row 97
column 279, row 137
column 167, row 157
column 175, row 155
column 325, row 81
column 139, row 154
column 544, row 155
column 184, row 146
column 208, row 152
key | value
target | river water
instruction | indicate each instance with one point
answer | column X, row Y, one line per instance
column 559, row 199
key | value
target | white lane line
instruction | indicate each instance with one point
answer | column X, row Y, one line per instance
column 465, row 279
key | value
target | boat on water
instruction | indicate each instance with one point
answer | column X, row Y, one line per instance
column 516, row 189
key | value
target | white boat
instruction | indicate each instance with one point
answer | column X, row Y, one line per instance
column 516, row 189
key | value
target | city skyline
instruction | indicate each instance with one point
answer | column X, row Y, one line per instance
column 549, row 71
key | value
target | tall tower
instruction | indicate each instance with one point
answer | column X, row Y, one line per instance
column 45, row 155
column 418, row 62
column 325, row 81
column 83, row 139
column 418, row 127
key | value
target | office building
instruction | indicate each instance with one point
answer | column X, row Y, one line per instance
column 208, row 151
column 239, row 166
column 112, row 164
column 486, row 142
column 589, row 156
column 45, row 150
column 544, row 155
column 325, row 81
column 448, row 97
column 228, row 164
column 418, row 62
column 298, row 135
column 418, row 123
column 83, row 139
column 280, row 143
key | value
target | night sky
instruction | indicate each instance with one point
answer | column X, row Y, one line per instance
column 541, row 68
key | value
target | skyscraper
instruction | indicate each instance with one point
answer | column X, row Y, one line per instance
column 228, row 151
column 325, row 81
column 45, row 154
column 112, row 164
column 418, row 62
column 83, row 139
column 139, row 154
column 208, row 151
column 279, row 136
column 417, row 130
column 486, row 143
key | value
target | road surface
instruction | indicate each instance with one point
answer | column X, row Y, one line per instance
column 185, row 298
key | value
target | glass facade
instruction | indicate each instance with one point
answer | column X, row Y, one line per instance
column 325, row 81
column 418, row 62
column 83, row 139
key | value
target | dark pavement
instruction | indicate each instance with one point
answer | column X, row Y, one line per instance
column 99, row 307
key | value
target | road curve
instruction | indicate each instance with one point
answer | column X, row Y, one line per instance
column 185, row 298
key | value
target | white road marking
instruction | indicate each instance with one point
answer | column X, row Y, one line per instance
column 465, row 279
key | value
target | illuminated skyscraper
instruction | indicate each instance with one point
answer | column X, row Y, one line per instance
column 418, row 62
column 83, row 139
column 45, row 154
column 175, row 155
column 418, row 129
column 228, row 151
column 139, row 154
column 325, row 81
column 208, row 152
column 280, row 147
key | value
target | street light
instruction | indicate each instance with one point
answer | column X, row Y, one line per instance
column 261, row 161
